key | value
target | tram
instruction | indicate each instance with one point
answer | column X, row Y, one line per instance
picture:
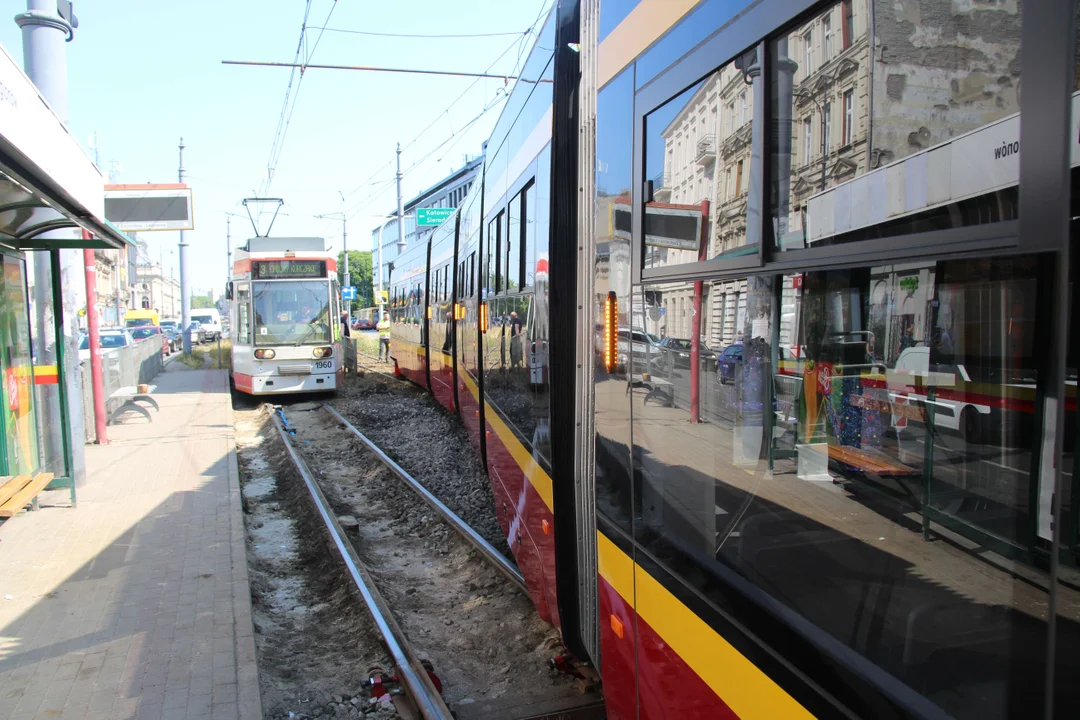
column 285, row 305
column 863, row 519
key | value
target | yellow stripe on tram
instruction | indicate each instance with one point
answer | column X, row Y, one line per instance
column 748, row 691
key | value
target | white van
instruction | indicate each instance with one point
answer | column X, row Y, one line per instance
column 210, row 319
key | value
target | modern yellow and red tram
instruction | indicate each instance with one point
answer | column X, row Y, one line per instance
column 792, row 453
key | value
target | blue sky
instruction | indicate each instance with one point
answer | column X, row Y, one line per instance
column 143, row 74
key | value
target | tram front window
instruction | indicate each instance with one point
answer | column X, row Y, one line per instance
column 292, row 313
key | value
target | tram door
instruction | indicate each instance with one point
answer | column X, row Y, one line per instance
column 16, row 368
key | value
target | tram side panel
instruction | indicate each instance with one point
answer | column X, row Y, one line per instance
column 408, row 324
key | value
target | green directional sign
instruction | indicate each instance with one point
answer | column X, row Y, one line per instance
column 432, row 216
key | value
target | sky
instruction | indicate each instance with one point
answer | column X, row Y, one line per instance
column 141, row 75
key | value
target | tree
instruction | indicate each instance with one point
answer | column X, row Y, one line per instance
column 201, row 302
column 359, row 276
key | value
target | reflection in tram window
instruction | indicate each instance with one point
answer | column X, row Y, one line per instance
column 857, row 457
column 614, row 176
column 943, row 86
column 698, row 159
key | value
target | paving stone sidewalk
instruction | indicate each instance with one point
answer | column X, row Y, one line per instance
column 136, row 604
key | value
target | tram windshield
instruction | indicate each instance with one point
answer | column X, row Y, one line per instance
column 292, row 312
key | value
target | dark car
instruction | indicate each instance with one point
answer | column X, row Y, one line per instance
column 363, row 324
column 675, row 352
column 144, row 332
column 732, row 356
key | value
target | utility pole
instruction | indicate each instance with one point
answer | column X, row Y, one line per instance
column 185, row 293
column 228, row 247
column 45, row 34
column 400, row 210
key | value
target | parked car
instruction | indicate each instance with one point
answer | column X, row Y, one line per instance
column 637, row 344
column 732, row 356
column 145, row 332
column 196, row 332
column 363, row 324
column 111, row 340
column 676, row 351
column 176, row 340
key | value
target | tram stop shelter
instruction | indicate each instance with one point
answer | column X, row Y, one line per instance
column 51, row 199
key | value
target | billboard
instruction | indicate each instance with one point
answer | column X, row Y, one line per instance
column 140, row 208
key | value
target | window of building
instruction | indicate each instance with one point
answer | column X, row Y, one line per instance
column 828, row 127
column 849, row 117
column 826, row 34
column 731, row 118
column 848, row 25
column 808, row 46
column 807, row 126
column 742, row 109
column 738, row 178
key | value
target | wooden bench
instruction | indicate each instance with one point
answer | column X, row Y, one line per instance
column 20, row 490
column 870, row 461
column 132, row 397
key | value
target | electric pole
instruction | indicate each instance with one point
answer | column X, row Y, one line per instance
column 228, row 248
column 185, row 293
column 400, row 210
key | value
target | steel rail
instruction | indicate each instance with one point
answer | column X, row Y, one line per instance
column 415, row 678
column 499, row 560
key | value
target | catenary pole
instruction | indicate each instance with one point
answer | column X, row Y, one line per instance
column 185, row 290
column 45, row 35
column 400, row 207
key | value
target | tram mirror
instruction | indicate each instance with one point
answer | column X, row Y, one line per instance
column 229, row 290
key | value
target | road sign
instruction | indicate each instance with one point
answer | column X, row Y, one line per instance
column 382, row 296
column 348, row 292
column 432, row 216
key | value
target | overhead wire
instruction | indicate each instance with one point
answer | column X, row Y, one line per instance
column 419, row 35
column 502, row 93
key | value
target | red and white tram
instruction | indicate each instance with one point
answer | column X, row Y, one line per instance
column 284, row 305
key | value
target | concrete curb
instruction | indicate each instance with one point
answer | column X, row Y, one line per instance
column 249, row 698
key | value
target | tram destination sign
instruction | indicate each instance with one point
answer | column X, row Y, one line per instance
column 433, row 216
column 288, row 269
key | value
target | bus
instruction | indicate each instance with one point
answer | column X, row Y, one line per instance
column 284, row 308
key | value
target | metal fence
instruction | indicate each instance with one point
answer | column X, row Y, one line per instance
column 120, row 367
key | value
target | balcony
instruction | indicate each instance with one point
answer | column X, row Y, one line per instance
column 706, row 151
column 662, row 187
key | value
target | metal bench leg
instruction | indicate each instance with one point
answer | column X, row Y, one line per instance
column 128, row 405
column 150, row 400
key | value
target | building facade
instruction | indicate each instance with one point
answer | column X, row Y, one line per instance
column 447, row 193
column 154, row 290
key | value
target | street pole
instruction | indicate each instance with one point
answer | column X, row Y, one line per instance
column 228, row 248
column 345, row 250
column 378, row 273
column 93, row 333
column 185, row 291
column 400, row 210
column 45, row 34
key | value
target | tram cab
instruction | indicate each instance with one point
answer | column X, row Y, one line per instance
column 285, row 305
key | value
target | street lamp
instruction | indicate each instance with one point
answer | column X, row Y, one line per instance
column 344, row 243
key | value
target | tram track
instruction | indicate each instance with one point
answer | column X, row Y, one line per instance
column 435, row 588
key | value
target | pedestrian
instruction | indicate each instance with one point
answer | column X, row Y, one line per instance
column 515, row 340
column 384, row 336
column 345, row 329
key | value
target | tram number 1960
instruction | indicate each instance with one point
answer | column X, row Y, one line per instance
column 324, row 364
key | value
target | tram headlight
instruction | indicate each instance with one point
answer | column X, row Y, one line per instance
column 323, row 352
column 265, row 354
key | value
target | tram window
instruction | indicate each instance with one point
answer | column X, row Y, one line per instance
column 243, row 315
column 832, row 187
column 698, row 149
column 896, row 400
column 472, row 274
column 513, row 245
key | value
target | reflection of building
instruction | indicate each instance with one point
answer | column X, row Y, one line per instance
column 112, row 285
column 830, row 116
column 449, row 192
column 152, row 290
